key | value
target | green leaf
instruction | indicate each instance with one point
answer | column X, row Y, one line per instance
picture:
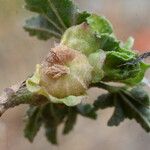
column 59, row 13
column 70, row 120
column 136, row 106
column 113, row 68
column 104, row 101
column 53, row 115
column 128, row 103
column 141, row 95
column 118, row 67
column 55, row 16
column 33, row 124
column 50, row 120
column 81, row 17
column 140, row 74
column 40, row 27
column 51, row 133
column 138, row 112
column 100, row 25
column 118, row 115
column 87, row 110
column 109, row 43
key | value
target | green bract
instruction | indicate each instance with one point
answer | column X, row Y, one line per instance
column 139, row 76
column 100, row 25
column 112, row 68
column 81, row 38
column 109, row 43
column 63, row 76
column 116, row 69
column 97, row 60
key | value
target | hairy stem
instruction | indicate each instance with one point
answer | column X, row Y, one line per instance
column 17, row 95
column 107, row 87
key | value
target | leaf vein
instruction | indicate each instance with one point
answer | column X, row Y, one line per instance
column 44, row 30
column 57, row 14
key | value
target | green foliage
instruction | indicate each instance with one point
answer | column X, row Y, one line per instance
column 54, row 18
column 70, row 120
column 121, row 63
column 130, row 104
column 34, row 123
column 40, row 27
column 135, row 110
column 100, row 25
column 87, row 110
column 51, row 116
column 140, row 74
column 81, row 17
column 139, row 94
column 113, row 69
column 118, row 115
column 104, row 101
column 109, row 43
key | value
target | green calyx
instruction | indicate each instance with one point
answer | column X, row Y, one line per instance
column 81, row 38
column 86, row 36
column 97, row 61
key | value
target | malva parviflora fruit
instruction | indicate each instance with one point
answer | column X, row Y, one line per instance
column 63, row 76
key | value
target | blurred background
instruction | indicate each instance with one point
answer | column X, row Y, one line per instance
column 19, row 53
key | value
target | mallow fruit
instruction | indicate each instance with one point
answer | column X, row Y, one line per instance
column 63, row 76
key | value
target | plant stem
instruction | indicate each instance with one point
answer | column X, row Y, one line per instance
column 17, row 95
column 107, row 87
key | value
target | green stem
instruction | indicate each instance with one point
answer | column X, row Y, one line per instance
column 107, row 87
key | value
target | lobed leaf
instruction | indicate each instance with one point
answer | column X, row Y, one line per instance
column 70, row 120
column 140, row 95
column 128, row 103
column 104, row 101
column 59, row 13
column 87, row 110
column 34, row 122
column 50, row 121
column 40, row 27
column 118, row 115
column 54, row 18
column 138, row 112
column 51, row 133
